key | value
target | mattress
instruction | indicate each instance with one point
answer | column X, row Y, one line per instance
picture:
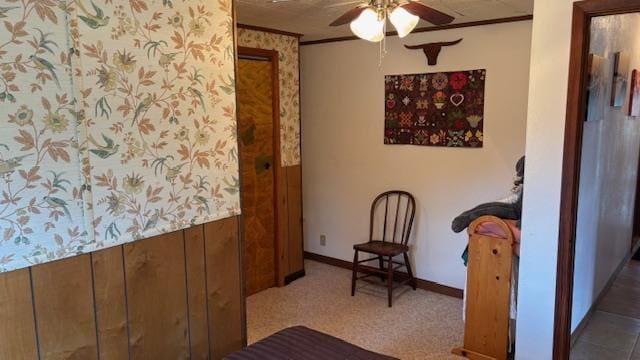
column 302, row 343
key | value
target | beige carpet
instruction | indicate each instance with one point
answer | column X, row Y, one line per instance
column 421, row 324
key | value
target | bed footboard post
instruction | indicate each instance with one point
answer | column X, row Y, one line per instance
column 486, row 332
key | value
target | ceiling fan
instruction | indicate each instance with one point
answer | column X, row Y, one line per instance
column 368, row 20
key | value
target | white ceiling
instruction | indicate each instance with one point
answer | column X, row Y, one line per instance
column 312, row 17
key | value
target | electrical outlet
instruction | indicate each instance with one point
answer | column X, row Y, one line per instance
column 323, row 240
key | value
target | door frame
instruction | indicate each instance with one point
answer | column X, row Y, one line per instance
column 635, row 232
column 278, row 176
column 583, row 12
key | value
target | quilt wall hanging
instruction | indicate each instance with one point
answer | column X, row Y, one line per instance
column 439, row 109
column 117, row 123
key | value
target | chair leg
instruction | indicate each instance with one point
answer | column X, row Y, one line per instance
column 381, row 263
column 390, row 280
column 355, row 273
column 408, row 265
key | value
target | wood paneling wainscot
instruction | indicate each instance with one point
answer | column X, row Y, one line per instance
column 156, row 283
column 173, row 296
column 224, row 290
column 111, row 303
column 64, row 309
column 295, row 243
column 197, row 292
column 17, row 328
column 289, row 202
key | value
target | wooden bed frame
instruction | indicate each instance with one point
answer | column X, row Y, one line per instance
column 486, row 332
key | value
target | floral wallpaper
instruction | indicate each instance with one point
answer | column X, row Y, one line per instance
column 158, row 101
column 288, row 49
column 118, row 122
column 41, row 210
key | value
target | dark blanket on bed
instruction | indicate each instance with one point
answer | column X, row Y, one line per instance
column 301, row 343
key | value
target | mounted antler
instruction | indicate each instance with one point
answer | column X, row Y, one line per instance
column 432, row 50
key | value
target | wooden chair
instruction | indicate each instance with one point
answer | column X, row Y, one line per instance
column 399, row 211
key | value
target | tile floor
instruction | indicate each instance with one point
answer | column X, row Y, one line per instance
column 614, row 329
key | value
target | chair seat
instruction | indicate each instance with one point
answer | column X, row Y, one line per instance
column 382, row 248
column 399, row 210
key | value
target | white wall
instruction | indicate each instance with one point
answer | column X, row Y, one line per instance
column 346, row 163
column 544, row 147
column 608, row 174
column 550, row 44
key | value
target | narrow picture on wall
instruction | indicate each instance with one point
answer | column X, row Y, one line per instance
column 634, row 99
column 438, row 109
column 596, row 90
column 620, row 78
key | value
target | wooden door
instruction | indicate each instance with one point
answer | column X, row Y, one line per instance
column 255, row 117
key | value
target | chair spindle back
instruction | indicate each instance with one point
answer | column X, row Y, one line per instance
column 399, row 210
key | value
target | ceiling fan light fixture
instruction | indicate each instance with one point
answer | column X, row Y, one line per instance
column 403, row 21
column 368, row 26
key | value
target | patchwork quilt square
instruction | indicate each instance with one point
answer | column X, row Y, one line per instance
column 438, row 109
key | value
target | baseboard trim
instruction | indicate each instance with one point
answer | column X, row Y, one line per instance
column 294, row 276
column 583, row 323
column 422, row 284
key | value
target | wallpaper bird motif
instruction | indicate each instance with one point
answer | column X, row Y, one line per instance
column 41, row 210
column 118, row 123
column 289, row 81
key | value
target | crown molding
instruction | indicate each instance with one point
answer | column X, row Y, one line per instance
column 429, row 29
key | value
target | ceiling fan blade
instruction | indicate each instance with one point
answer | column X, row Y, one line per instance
column 344, row 3
column 348, row 16
column 428, row 14
column 450, row 8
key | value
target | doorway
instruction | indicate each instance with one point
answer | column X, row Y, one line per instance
column 636, row 216
column 591, row 112
column 259, row 155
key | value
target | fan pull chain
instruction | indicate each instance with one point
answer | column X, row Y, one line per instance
column 383, row 43
column 380, row 51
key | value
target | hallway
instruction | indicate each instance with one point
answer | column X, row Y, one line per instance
column 614, row 329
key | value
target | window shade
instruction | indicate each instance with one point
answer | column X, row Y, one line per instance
column 118, row 124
